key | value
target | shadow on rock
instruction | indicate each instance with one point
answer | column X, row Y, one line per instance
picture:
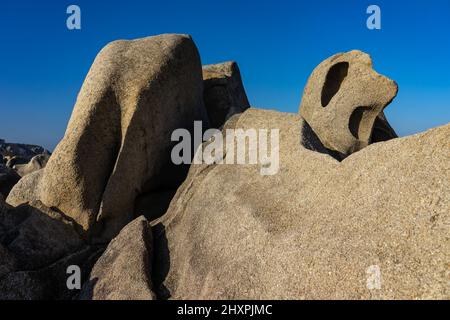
column 37, row 245
column 161, row 261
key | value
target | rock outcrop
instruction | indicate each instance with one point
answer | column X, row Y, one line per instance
column 17, row 160
column 27, row 189
column 342, row 100
column 36, row 163
column 224, row 92
column 314, row 229
column 119, row 136
column 20, row 151
column 339, row 217
column 123, row 272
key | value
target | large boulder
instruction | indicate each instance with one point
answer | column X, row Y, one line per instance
column 372, row 226
column 224, row 92
column 343, row 101
column 123, row 272
column 119, row 136
column 36, row 163
column 26, row 190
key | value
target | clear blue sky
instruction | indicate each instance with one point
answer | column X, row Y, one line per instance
column 276, row 44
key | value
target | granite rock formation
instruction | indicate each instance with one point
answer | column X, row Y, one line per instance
column 349, row 201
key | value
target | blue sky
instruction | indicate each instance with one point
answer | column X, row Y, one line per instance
column 276, row 44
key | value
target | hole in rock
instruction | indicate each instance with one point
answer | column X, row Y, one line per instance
column 382, row 131
column 359, row 125
column 333, row 81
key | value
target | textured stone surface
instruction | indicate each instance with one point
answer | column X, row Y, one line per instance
column 316, row 228
column 118, row 138
column 224, row 92
column 27, row 189
column 342, row 100
column 123, row 271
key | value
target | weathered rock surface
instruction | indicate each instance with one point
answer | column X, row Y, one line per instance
column 36, row 163
column 26, row 190
column 118, row 138
column 123, row 271
column 316, row 228
column 224, row 92
column 342, row 100
column 332, row 223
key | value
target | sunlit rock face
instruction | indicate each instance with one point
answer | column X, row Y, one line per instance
column 344, row 98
